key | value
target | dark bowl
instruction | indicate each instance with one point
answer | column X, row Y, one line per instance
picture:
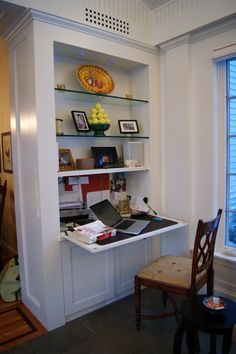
column 99, row 129
column 214, row 304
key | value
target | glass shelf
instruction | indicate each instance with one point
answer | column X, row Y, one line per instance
column 85, row 96
column 130, row 137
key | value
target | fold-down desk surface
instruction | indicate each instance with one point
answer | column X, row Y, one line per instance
column 155, row 228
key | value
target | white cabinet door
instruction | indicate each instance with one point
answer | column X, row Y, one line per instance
column 129, row 260
column 88, row 278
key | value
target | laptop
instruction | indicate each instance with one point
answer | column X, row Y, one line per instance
column 108, row 214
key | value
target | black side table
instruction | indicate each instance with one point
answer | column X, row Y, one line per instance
column 196, row 317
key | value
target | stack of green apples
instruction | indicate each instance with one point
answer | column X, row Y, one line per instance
column 98, row 120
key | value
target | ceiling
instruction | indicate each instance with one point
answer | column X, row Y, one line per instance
column 87, row 56
column 154, row 4
column 10, row 12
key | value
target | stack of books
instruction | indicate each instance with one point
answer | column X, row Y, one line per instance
column 91, row 233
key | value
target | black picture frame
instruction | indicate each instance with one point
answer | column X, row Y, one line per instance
column 80, row 121
column 105, row 157
column 128, row 126
column 7, row 152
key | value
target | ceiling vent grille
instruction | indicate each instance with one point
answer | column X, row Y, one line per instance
column 106, row 21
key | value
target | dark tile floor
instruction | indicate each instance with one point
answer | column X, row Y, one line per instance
column 111, row 330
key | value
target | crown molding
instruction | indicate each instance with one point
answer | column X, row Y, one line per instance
column 200, row 34
column 214, row 28
column 31, row 15
column 20, row 23
column 173, row 43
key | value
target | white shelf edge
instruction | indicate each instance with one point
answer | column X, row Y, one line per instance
column 101, row 171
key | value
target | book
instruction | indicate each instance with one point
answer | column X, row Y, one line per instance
column 91, row 233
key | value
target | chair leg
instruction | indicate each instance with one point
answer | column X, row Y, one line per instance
column 190, row 339
column 164, row 298
column 137, row 292
column 212, row 344
column 179, row 337
column 176, row 314
column 210, row 282
column 227, row 342
column 197, row 342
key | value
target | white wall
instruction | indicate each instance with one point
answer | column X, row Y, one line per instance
column 190, row 144
column 182, row 16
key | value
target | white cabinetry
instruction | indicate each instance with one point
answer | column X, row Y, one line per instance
column 88, row 278
column 43, row 52
column 91, row 280
column 129, row 259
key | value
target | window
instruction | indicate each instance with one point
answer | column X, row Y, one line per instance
column 230, row 221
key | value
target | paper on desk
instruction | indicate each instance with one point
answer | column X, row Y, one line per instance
column 91, row 232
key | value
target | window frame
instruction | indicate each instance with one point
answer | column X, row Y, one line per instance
column 221, row 150
column 220, row 147
column 228, row 174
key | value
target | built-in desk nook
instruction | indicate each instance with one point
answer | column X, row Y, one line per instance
column 99, row 273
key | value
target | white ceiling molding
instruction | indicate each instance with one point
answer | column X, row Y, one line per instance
column 9, row 13
column 30, row 15
column 147, row 21
column 175, row 42
column 214, row 28
column 107, row 15
column 200, row 34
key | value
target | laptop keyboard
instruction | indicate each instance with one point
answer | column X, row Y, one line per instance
column 125, row 224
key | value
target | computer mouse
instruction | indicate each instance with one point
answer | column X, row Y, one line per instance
column 157, row 218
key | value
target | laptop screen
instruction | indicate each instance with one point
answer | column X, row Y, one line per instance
column 105, row 212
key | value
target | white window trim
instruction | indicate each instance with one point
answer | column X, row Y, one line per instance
column 219, row 78
column 224, row 53
column 220, row 113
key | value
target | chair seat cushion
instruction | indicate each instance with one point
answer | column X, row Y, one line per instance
column 170, row 270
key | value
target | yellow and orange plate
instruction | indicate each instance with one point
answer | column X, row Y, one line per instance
column 94, row 79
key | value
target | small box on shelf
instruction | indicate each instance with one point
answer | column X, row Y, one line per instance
column 85, row 163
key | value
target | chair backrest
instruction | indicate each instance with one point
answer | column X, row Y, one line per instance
column 3, row 192
column 204, row 247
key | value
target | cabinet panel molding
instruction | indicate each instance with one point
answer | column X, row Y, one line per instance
column 129, row 259
column 88, row 278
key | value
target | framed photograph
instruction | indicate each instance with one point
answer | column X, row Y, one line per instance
column 80, row 121
column 66, row 162
column 7, row 152
column 105, row 157
column 128, row 126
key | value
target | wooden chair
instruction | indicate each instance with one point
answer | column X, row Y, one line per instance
column 180, row 275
